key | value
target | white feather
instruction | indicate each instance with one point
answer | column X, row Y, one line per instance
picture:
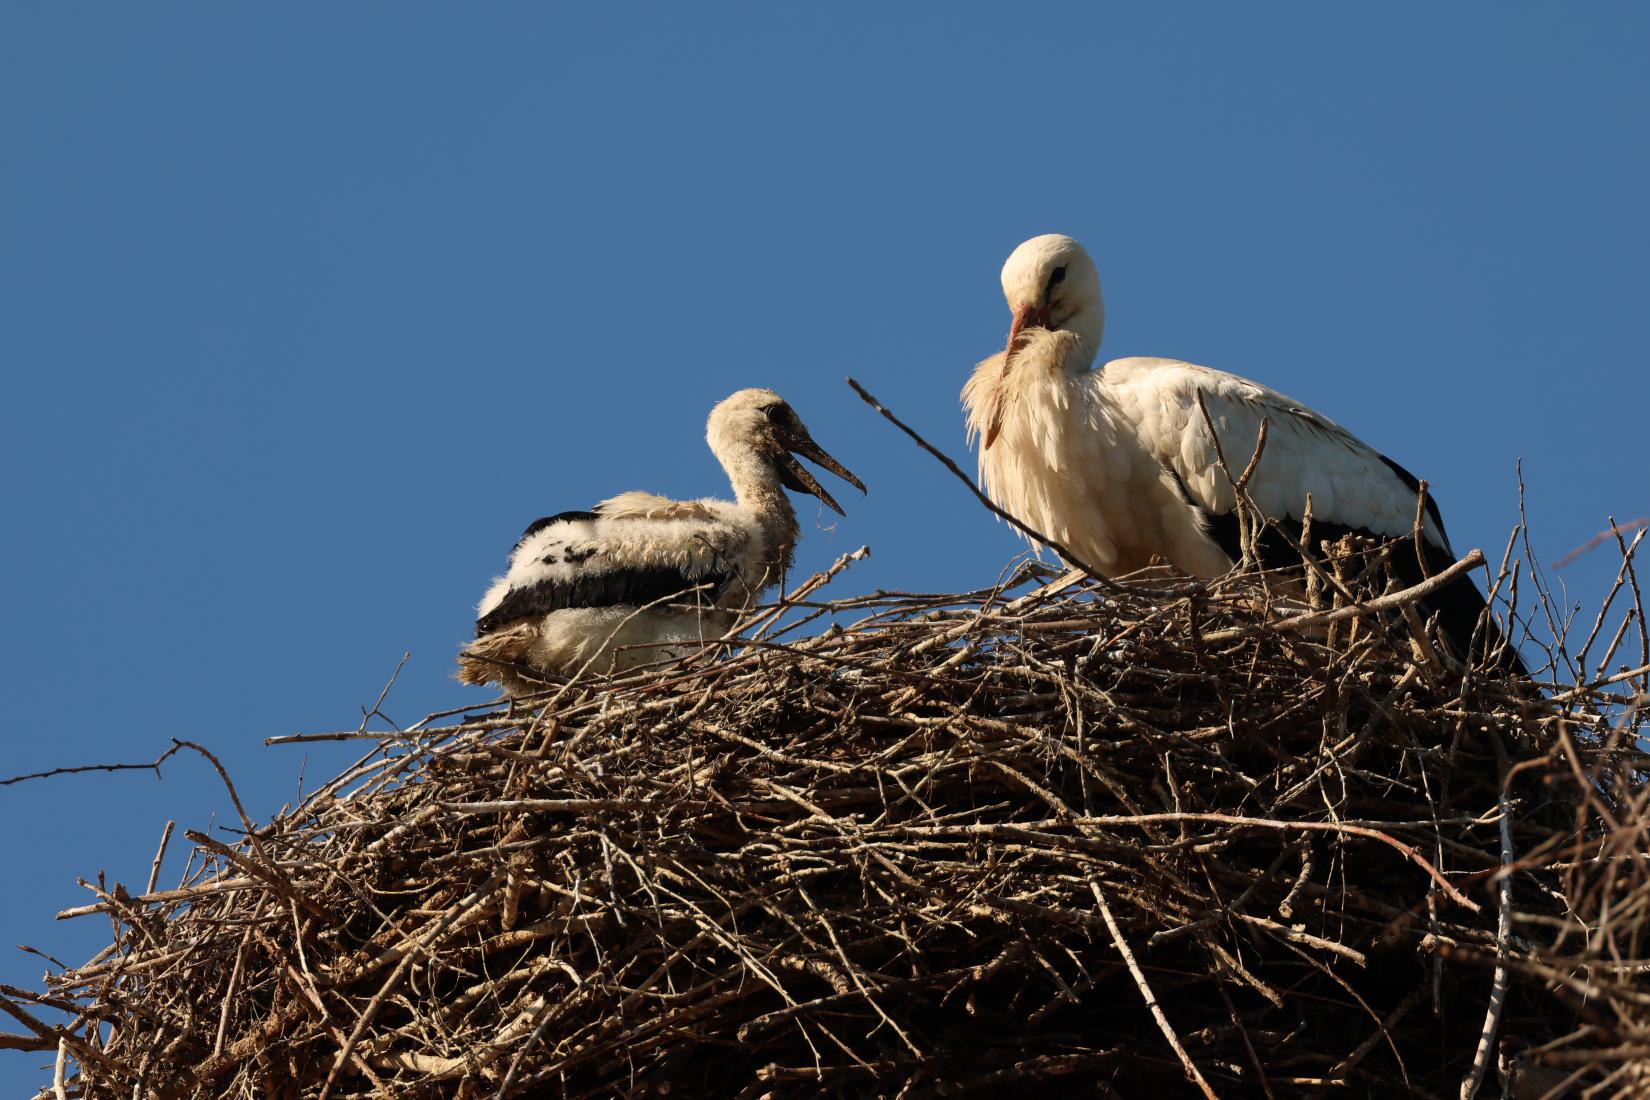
column 698, row 546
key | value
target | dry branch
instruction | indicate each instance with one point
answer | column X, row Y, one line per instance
column 153, row 765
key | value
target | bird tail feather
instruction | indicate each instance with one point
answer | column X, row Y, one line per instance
column 492, row 657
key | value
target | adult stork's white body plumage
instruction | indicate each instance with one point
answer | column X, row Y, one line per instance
column 642, row 578
column 1117, row 463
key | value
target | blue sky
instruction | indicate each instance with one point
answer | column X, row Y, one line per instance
column 306, row 311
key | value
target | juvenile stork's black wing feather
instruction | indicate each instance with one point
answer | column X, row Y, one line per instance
column 547, row 521
column 577, row 560
column 612, row 588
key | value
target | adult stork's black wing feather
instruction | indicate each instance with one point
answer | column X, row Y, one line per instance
column 1354, row 488
column 1459, row 605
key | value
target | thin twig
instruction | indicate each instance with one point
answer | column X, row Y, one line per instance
column 1313, row 619
column 160, row 854
column 1146, row 994
column 1018, row 524
column 153, row 765
column 1612, row 531
column 1503, row 930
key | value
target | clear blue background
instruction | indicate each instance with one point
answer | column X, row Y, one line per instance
column 305, row 311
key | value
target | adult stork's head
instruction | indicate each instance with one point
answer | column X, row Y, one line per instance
column 757, row 436
column 1050, row 283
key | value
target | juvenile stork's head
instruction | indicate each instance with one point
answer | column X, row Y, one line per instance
column 1050, row 283
column 757, row 436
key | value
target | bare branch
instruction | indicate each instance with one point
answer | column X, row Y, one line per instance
column 153, row 765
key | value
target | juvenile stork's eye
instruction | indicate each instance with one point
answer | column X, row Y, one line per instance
column 1056, row 277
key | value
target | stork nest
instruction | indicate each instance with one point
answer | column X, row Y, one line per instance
column 1158, row 838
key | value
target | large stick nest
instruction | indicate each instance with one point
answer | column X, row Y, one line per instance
column 1149, row 837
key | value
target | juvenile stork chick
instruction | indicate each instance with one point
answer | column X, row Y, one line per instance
column 1117, row 463
column 643, row 578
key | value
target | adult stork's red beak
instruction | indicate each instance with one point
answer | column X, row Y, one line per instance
column 1023, row 316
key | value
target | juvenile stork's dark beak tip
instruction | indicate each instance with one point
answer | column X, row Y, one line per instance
column 795, row 476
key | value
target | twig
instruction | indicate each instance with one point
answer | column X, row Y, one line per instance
column 10, row 1041
column 229, row 995
column 424, row 942
column 367, row 715
column 234, row 798
column 1614, row 530
column 1313, row 619
column 153, row 766
column 1145, row 988
column 1018, row 524
column 1242, row 506
column 160, row 854
column 1503, row 930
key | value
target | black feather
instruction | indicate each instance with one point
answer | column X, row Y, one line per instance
column 613, row 588
column 1414, row 484
column 1458, row 604
column 560, row 517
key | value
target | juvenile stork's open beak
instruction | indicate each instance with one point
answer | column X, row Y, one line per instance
column 1023, row 316
column 795, row 476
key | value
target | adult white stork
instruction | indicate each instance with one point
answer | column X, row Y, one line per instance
column 644, row 571
column 1117, row 462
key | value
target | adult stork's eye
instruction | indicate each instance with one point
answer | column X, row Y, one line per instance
column 1055, row 278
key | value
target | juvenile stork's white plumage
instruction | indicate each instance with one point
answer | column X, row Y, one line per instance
column 647, row 572
column 1117, row 462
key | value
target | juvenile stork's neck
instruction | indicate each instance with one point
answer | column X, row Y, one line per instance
column 761, row 495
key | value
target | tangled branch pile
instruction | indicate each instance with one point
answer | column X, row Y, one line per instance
column 1153, row 837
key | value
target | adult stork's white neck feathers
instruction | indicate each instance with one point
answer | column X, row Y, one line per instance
column 1117, row 463
column 642, row 578
column 1053, row 292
